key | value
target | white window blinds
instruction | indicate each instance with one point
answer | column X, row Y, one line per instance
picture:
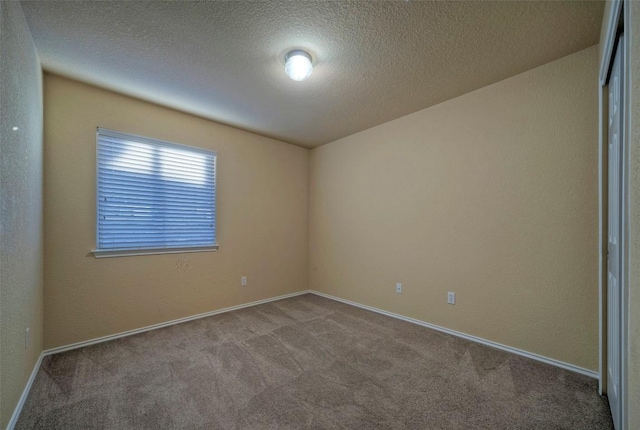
column 154, row 195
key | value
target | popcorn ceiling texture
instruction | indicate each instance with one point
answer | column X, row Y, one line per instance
column 20, row 206
column 493, row 195
column 376, row 61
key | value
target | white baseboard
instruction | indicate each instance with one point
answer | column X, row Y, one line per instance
column 165, row 324
column 513, row 350
column 25, row 393
column 27, row 388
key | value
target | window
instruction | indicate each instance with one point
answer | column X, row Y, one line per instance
column 153, row 196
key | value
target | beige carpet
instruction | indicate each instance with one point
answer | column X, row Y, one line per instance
column 305, row 363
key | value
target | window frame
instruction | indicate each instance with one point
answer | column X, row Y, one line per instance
column 125, row 252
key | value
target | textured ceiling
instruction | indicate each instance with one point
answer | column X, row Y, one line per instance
column 374, row 60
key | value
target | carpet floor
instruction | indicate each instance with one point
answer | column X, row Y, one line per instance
column 305, row 363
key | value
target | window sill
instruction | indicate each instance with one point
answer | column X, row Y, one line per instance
column 104, row 253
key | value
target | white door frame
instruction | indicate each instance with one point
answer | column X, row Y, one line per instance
column 619, row 18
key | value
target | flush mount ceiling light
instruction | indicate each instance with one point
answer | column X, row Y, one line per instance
column 297, row 64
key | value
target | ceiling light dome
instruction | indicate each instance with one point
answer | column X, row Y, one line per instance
column 298, row 65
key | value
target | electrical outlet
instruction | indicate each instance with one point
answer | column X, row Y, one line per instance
column 27, row 338
column 451, row 298
column 399, row 288
column 243, row 281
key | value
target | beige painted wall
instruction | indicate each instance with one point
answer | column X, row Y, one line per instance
column 262, row 220
column 492, row 195
column 634, row 288
column 20, row 206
